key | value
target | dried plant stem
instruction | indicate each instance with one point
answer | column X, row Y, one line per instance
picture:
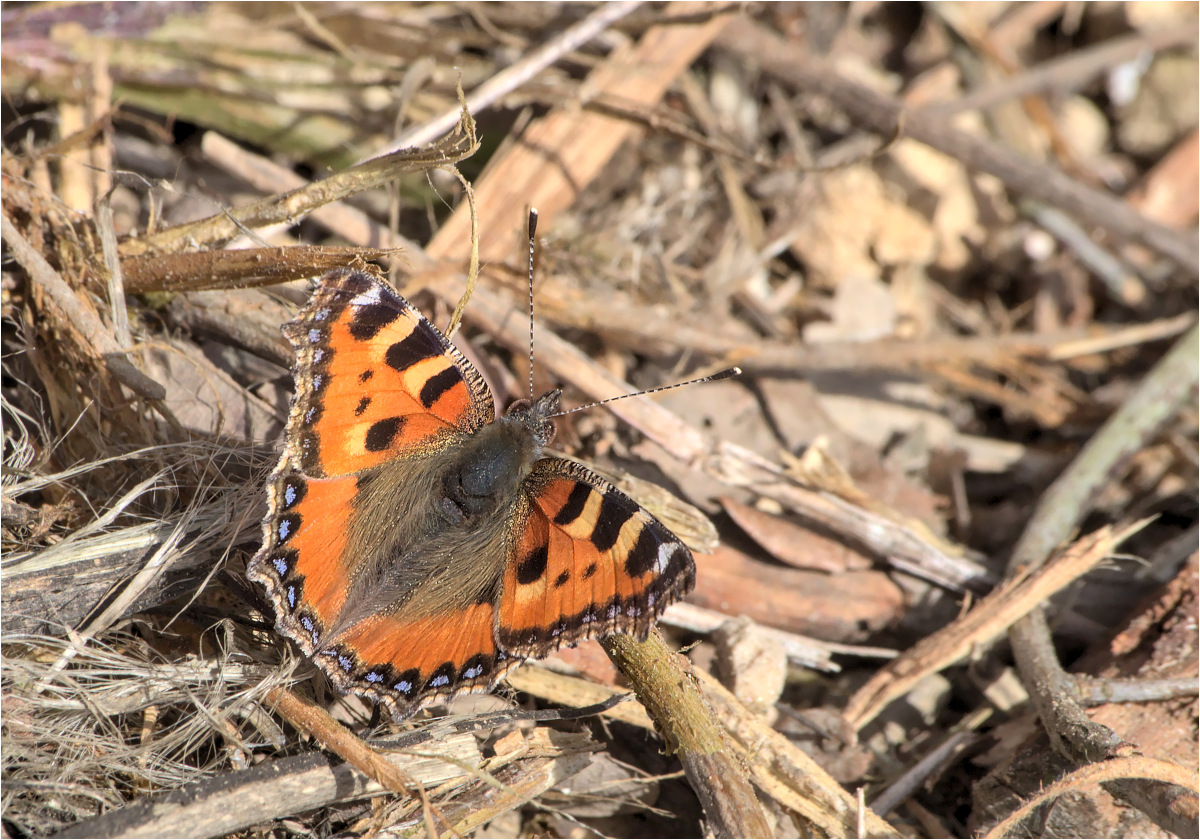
column 787, row 774
column 520, row 72
column 933, row 762
column 275, row 789
column 299, row 202
column 267, row 176
column 238, row 269
column 1054, row 692
column 1095, row 691
column 1105, row 772
column 92, row 330
column 310, row 718
column 1167, row 387
column 225, row 804
column 1069, row 72
column 666, row 686
column 988, row 620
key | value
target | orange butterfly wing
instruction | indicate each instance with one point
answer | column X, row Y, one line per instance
column 375, row 383
column 586, row 561
column 375, row 380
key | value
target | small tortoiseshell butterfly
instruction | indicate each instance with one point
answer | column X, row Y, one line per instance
column 417, row 546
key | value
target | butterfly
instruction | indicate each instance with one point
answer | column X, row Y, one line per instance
column 415, row 545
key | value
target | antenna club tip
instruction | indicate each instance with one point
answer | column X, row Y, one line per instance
column 727, row 374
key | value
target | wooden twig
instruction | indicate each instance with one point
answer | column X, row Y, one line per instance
column 934, row 761
column 787, row 773
column 222, row 805
column 666, row 686
column 1169, row 385
column 245, row 268
column 520, row 72
column 1130, row 429
column 1122, row 282
column 269, row 177
column 989, row 619
column 1109, row 772
column 275, row 789
column 1094, row 690
column 1069, row 72
column 315, row 721
column 299, row 202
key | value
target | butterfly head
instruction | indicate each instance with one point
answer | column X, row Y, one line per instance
column 537, row 416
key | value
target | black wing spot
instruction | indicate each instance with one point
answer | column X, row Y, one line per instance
column 286, row 526
column 363, row 404
column 642, row 557
column 614, row 513
column 589, row 571
column 442, row 677
column 293, row 493
column 477, row 667
column 414, row 347
column 369, row 320
column 313, row 414
column 382, row 433
column 293, row 593
column 283, row 563
column 439, row 384
column 366, row 375
column 561, row 580
column 310, row 452
column 408, row 683
column 573, row 509
column 381, row 674
column 533, row 566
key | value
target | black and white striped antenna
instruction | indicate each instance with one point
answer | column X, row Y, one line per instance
column 724, row 374
column 533, row 217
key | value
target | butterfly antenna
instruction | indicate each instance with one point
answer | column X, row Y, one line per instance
column 533, row 217
column 724, row 374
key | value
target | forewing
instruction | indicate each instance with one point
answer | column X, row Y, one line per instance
column 375, row 381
